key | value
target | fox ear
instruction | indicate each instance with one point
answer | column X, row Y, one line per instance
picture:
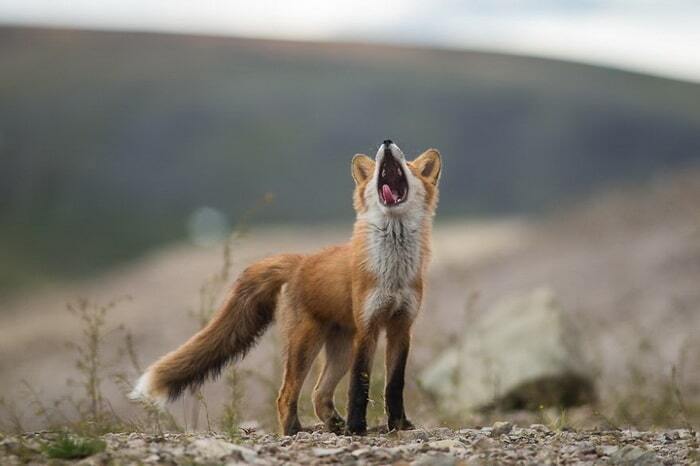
column 362, row 168
column 429, row 165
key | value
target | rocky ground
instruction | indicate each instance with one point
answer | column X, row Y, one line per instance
column 500, row 444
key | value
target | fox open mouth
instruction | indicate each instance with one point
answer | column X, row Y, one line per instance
column 392, row 184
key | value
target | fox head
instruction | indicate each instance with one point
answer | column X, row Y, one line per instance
column 392, row 186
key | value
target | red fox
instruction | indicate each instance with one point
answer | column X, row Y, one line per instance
column 338, row 299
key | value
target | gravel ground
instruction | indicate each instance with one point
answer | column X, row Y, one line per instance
column 500, row 444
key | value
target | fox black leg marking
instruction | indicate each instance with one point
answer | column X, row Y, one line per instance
column 398, row 343
column 358, row 394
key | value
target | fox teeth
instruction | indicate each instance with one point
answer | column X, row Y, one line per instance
column 383, row 172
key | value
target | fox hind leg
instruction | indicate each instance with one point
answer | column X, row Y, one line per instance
column 338, row 353
column 304, row 344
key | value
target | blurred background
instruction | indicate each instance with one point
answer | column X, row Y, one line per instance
column 135, row 135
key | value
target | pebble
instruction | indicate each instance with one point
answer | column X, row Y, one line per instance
column 446, row 444
column 606, row 450
column 540, row 428
column 435, row 460
column 320, row 452
column 501, row 428
column 633, row 455
column 360, row 452
column 413, row 435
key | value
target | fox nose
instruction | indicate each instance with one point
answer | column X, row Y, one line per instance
column 389, row 148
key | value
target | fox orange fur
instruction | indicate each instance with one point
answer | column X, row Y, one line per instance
column 338, row 300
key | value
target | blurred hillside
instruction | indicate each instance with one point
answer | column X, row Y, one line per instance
column 109, row 141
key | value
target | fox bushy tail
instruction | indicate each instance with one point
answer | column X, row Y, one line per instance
column 244, row 316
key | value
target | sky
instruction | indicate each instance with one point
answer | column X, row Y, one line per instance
column 652, row 36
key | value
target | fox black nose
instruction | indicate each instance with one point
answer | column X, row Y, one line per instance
column 388, row 142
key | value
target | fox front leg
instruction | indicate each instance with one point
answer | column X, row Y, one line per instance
column 358, row 394
column 398, row 341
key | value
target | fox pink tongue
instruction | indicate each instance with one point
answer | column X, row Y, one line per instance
column 389, row 197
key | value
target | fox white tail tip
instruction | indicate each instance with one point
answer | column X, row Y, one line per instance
column 143, row 391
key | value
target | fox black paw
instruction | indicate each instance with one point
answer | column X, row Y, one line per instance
column 335, row 424
column 356, row 428
column 400, row 424
column 293, row 428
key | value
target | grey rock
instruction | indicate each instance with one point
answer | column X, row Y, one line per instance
column 501, row 428
column 248, row 455
column 360, row 452
column 435, row 460
column 211, row 449
column 152, row 459
column 447, row 444
column 606, row 450
column 321, row 452
column 485, row 443
column 631, row 455
column 413, row 435
column 540, row 428
column 586, row 448
column 521, row 352
column 441, row 431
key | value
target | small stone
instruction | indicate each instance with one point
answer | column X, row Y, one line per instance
column 501, row 428
column 586, row 448
column 407, row 447
column 360, row 452
column 209, row 448
column 152, row 459
column 634, row 456
column 446, row 444
column 302, row 436
column 467, row 431
column 212, row 448
column 441, row 459
column 321, row 452
column 248, row 455
column 606, row 450
column 540, row 428
column 485, row 443
column 475, row 460
column 413, row 435
column 441, row 432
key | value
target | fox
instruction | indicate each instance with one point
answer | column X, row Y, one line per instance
column 338, row 300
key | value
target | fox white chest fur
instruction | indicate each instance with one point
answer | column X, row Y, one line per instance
column 394, row 248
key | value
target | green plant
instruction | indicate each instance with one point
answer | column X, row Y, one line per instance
column 95, row 414
column 555, row 418
column 231, row 418
column 68, row 447
column 11, row 421
column 89, row 360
